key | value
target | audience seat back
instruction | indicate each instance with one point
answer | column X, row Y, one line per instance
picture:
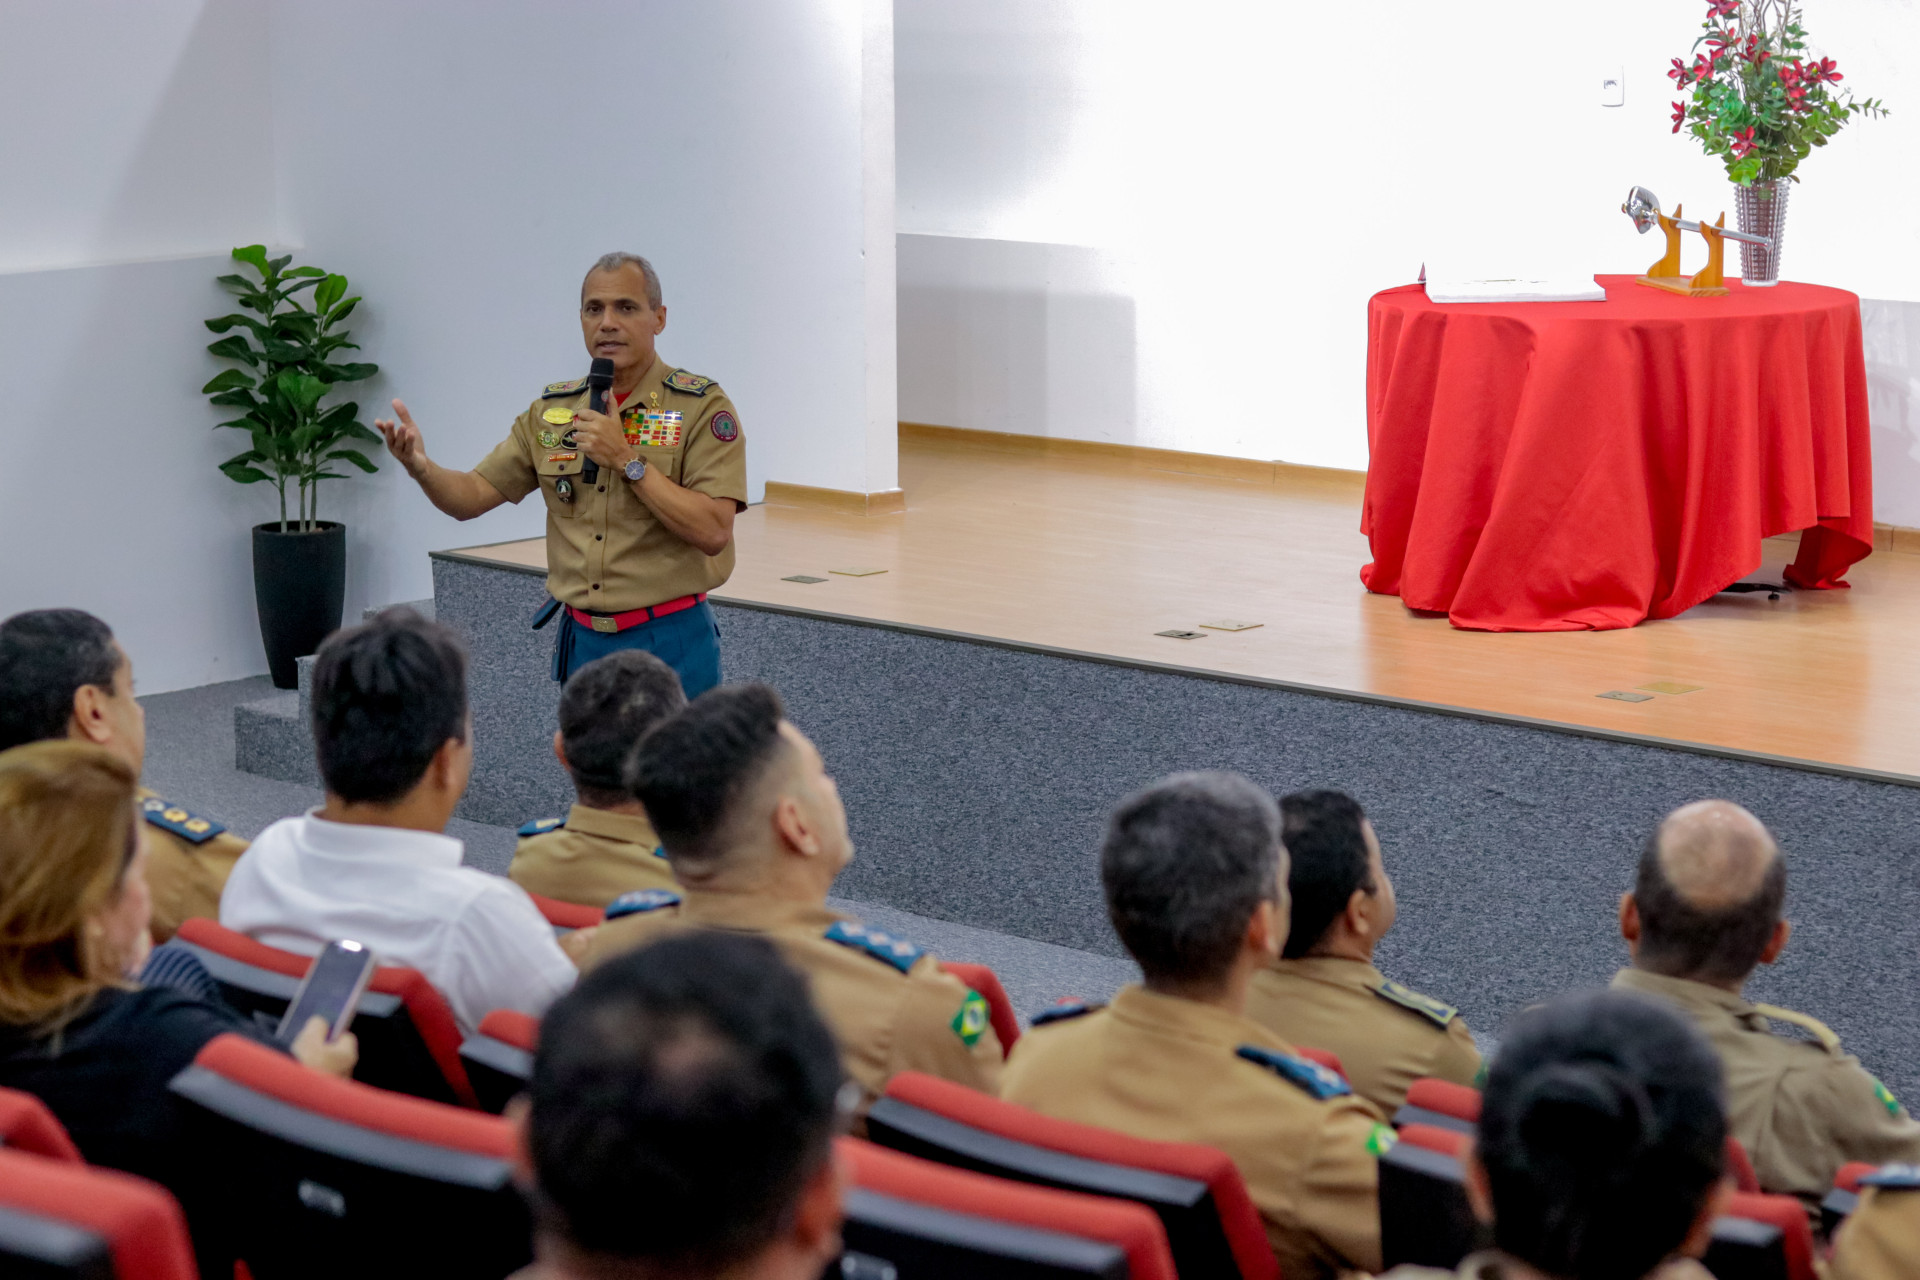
column 1325, row 1057
column 27, row 1125
column 1448, row 1142
column 62, row 1219
column 1845, row 1196
column 328, row 1176
column 1006, row 1024
column 1197, row 1193
column 1425, row 1217
column 1761, row 1237
column 409, row 1041
column 931, row 1220
column 1441, row 1104
column 499, row 1057
column 1740, row 1168
column 566, row 915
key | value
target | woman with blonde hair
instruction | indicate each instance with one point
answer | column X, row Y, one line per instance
column 76, row 1029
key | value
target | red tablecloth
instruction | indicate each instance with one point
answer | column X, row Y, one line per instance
column 1554, row 466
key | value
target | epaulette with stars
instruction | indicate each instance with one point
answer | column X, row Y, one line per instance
column 641, row 901
column 1062, row 1011
column 571, row 387
column 190, row 827
column 897, row 952
column 1315, row 1079
column 540, row 826
column 1408, row 998
column 691, row 384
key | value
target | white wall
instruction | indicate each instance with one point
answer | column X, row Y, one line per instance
column 1120, row 226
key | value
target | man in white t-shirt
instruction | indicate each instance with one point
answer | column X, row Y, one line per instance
column 393, row 736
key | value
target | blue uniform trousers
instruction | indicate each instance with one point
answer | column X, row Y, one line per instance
column 687, row 641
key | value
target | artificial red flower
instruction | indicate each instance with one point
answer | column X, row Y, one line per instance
column 1702, row 68
column 1722, row 8
column 1742, row 142
column 1823, row 70
column 1679, row 115
column 1678, row 74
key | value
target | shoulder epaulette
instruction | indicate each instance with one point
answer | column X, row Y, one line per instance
column 1310, row 1076
column 540, row 826
column 660, row 852
column 571, row 387
column 1408, row 998
column 1061, row 1011
column 641, row 901
column 1904, row 1177
column 690, row 383
column 897, row 952
column 190, row 827
column 1820, row 1030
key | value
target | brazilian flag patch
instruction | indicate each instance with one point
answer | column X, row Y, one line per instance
column 971, row 1021
column 1887, row 1100
column 1381, row 1140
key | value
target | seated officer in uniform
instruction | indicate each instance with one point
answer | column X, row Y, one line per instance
column 604, row 847
column 755, row 832
column 1195, row 879
column 640, row 499
column 1880, row 1239
column 693, row 1078
column 1704, row 911
column 1324, row 991
column 62, row 675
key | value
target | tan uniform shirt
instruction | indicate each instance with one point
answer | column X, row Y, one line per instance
column 606, row 551
column 1492, row 1265
column 886, row 1019
column 1169, row 1070
column 1802, row 1108
column 1386, row 1036
column 1880, row 1240
column 188, row 860
column 591, row 860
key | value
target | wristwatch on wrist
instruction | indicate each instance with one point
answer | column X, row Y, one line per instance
column 636, row 468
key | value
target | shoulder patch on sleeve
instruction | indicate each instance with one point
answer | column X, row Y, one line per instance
column 190, row 827
column 1903, row 1176
column 1819, row 1030
column 540, row 826
column 972, row 1019
column 571, row 387
column 1309, row 1076
column 897, row 952
column 641, row 901
column 689, row 383
column 725, row 427
column 1407, row 998
column 1061, row 1011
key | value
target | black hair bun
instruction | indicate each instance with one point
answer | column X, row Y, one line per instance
column 1584, row 1117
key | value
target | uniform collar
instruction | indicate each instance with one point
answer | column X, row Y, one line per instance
column 752, row 911
column 1685, row 991
column 1339, row 971
column 356, row 841
column 654, row 379
column 1188, row 1019
column 627, row 828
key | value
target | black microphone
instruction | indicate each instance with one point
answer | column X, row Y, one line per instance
column 599, row 382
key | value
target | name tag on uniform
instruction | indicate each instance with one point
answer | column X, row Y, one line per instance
column 651, row 427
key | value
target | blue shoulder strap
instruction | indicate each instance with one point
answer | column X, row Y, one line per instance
column 190, row 827
column 640, row 901
column 1902, row 1176
column 1310, row 1076
column 897, row 952
column 540, row 826
column 1061, row 1011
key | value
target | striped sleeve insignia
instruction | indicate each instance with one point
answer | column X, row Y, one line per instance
column 641, row 901
column 540, row 826
column 1061, row 1011
column 689, row 383
column 571, row 387
column 170, row 817
column 1309, row 1076
column 897, row 952
column 1904, row 1176
column 1407, row 998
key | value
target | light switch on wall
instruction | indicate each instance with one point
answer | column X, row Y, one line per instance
column 1613, row 87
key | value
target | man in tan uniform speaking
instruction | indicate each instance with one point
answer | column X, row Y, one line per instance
column 1704, row 911
column 640, row 506
column 1324, row 992
column 1196, row 885
column 755, row 832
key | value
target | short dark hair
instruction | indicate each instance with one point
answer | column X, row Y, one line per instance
column 691, row 771
column 1185, row 864
column 1325, row 836
column 693, row 1077
column 386, row 697
column 608, row 706
column 1721, row 944
column 1603, row 1131
column 47, row 656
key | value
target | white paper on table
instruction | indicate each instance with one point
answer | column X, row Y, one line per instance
column 1557, row 288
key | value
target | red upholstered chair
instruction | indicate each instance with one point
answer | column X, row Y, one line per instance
column 999, row 1008
column 1760, row 1237
column 1739, row 1168
column 1325, row 1057
column 328, row 1173
column 1196, row 1191
column 59, row 1218
column 930, row 1219
column 1448, row 1142
column 499, row 1058
column 1440, row 1103
column 409, row 1041
column 1845, row 1196
column 27, row 1125
column 567, row 915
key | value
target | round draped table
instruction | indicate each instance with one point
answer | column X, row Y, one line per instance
column 1559, row 466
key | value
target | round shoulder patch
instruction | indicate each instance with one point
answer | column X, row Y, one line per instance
column 725, row 429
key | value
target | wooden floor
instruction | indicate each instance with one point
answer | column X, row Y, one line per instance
column 1095, row 554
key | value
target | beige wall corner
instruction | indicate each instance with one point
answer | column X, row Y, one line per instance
column 886, row 502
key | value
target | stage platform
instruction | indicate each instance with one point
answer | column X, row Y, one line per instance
column 1090, row 552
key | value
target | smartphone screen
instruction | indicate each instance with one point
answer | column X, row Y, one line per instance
column 331, row 990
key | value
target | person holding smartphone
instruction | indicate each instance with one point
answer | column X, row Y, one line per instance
column 77, row 1030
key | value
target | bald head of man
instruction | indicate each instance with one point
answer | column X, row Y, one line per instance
column 1706, row 904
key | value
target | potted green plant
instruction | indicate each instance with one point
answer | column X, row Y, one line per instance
column 287, row 369
column 1762, row 103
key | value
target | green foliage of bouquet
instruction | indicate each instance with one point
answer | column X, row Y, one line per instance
column 1759, row 101
column 288, row 352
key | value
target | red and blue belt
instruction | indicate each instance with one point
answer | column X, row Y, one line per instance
column 612, row 623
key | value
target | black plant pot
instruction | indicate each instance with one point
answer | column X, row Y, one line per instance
column 299, row 587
